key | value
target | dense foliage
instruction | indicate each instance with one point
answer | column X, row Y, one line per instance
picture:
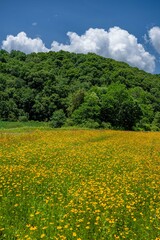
column 77, row 90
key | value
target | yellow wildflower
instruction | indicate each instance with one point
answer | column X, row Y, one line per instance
column 43, row 235
column 33, row 228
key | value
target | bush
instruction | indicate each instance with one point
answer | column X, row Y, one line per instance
column 106, row 125
column 156, row 121
column 23, row 119
column 154, row 128
column 58, row 119
column 90, row 124
column 69, row 123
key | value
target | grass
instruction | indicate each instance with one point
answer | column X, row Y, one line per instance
column 22, row 126
column 79, row 184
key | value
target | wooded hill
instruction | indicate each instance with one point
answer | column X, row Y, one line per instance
column 77, row 90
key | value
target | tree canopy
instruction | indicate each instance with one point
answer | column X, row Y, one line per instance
column 79, row 90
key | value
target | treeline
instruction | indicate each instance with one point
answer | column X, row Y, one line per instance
column 77, row 90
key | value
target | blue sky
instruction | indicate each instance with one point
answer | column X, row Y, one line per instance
column 126, row 30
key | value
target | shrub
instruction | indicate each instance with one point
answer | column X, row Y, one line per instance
column 58, row 119
column 23, row 119
column 90, row 123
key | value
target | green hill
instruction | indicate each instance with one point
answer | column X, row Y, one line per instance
column 77, row 90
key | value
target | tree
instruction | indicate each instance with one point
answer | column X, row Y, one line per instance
column 119, row 108
column 87, row 111
column 76, row 100
column 90, row 90
column 9, row 110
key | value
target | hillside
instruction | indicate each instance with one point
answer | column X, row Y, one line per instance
column 77, row 90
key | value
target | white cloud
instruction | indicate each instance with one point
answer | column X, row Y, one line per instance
column 94, row 40
column 154, row 34
column 115, row 43
column 23, row 43
column 146, row 39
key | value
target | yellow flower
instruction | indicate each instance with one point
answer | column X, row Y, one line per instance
column 97, row 218
column 74, row 234
column 37, row 213
column 59, row 227
column 45, row 227
column 33, row 228
column 43, row 235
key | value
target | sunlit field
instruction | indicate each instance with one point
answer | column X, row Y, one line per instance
column 79, row 184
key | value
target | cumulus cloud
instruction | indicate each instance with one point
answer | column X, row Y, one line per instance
column 23, row 43
column 154, row 35
column 115, row 43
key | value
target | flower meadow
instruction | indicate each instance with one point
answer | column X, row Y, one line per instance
column 80, row 185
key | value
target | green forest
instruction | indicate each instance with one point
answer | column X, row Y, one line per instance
column 83, row 90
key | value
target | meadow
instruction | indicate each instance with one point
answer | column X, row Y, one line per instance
column 79, row 184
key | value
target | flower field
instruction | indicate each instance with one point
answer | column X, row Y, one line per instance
column 79, row 184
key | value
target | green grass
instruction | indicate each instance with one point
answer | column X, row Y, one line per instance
column 22, row 126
